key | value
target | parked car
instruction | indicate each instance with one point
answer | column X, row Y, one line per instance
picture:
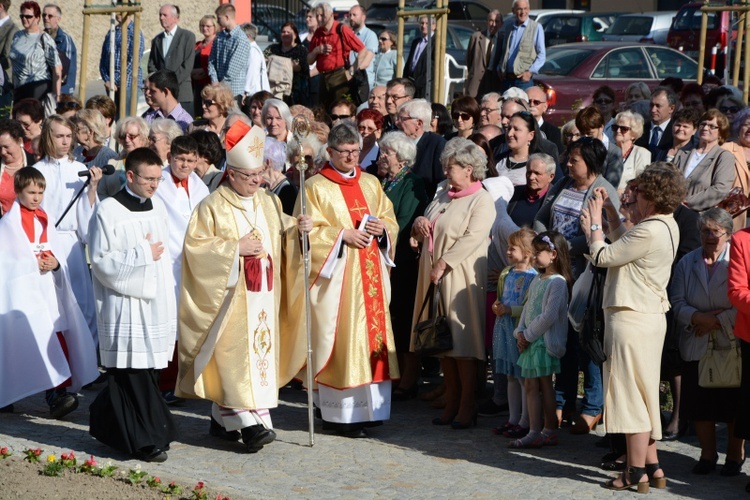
column 647, row 27
column 539, row 14
column 572, row 72
column 685, row 32
column 570, row 28
column 469, row 13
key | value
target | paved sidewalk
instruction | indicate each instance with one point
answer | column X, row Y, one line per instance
column 405, row 458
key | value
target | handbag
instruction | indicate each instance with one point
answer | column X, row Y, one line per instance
column 433, row 335
column 359, row 85
column 280, row 75
column 591, row 336
column 720, row 368
column 579, row 297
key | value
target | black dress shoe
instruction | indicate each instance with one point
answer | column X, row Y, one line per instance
column 62, row 405
column 154, row 455
column 731, row 468
column 216, row 430
column 256, row 437
column 704, row 466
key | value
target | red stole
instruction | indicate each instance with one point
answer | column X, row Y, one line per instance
column 178, row 183
column 27, row 222
column 253, row 267
column 369, row 262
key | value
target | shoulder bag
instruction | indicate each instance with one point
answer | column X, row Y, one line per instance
column 433, row 335
column 359, row 86
column 720, row 368
column 592, row 326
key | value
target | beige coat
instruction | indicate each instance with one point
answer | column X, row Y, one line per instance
column 741, row 178
column 461, row 236
column 711, row 180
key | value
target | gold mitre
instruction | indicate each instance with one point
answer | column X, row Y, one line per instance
column 245, row 146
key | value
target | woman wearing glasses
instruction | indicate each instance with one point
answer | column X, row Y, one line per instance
column 385, row 60
column 627, row 128
column 217, row 102
column 203, row 47
column 37, row 69
column 465, row 113
column 709, row 169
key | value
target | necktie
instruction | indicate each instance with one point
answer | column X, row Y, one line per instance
column 655, row 136
column 167, row 41
column 420, row 48
column 488, row 55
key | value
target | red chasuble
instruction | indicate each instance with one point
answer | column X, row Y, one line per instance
column 369, row 260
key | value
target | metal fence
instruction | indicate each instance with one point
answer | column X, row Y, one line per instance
column 270, row 15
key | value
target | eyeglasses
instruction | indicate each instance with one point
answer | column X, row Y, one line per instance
column 27, row 16
column 364, row 129
column 463, row 116
column 207, row 25
column 729, row 109
column 68, row 105
column 384, row 39
column 130, row 136
column 256, row 175
column 391, row 97
column 572, row 135
column 340, row 117
column 488, row 110
column 621, row 128
column 603, row 102
column 208, row 102
column 149, row 180
column 709, row 126
column 47, row 16
column 536, row 102
column 400, row 118
column 712, row 232
column 350, row 153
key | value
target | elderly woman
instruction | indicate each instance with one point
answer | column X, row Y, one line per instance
column 217, row 102
column 30, row 114
column 709, row 169
column 465, row 114
column 741, row 151
column 274, row 162
column 570, row 133
column 370, row 127
column 635, row 92
column 276, row 119
column 291, row 48
column 163, row 132
column 730, row 105
column 199, row 75
column 37, row 69
column 684, row 125
column 210, row 158
column 702, row 309
column 635, row 302
column 561, row 211
column 522, row 138
column 453, row 234
column 12, row 158
column 131, row 133
column 406, row 192
column 385, row 60
column 91, row 132
column 628, row 127
column 311, row 147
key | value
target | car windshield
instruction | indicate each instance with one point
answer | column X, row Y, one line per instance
column 562, row 61
column 631, row 25
column 690, row 19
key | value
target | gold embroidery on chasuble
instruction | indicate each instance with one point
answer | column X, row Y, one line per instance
column 262, row 344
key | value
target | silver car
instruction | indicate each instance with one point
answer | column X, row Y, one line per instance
column 647, row 27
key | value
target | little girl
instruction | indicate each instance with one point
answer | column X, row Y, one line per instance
column 542, row 332
column 512, row 286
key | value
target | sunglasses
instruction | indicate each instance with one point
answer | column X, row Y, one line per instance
column 621, row 128
column 729, row 109
column 208, row 102
column 384, row 39
column 536, row 102
column 68, row 105
column 603, row 102
column 340, row 117
column 463, row 116
column 27, row 16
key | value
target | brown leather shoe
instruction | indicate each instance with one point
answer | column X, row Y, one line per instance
column 583, row 424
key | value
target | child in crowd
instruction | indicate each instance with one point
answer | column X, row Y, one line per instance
column 542, row 333
column 51, row 344
column 512, row 286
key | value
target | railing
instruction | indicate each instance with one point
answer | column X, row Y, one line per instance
column 270, row 15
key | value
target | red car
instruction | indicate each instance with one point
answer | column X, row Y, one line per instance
column 573, row 71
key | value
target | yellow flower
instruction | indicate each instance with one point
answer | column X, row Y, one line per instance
column 51, row 458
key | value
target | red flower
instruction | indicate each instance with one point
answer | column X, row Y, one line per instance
column 4, row 450
column 200, row 485
column 157, row 480
column 38, row 452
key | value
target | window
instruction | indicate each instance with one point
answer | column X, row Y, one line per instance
column 670, row 63
column 690, row 19
column 623, row 64
column 476, row 12
column 563, row 61
column 631, row 25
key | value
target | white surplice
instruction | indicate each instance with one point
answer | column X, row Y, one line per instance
column 63, row 183
column 33, row 307
column 136, row 305
column 180, row 205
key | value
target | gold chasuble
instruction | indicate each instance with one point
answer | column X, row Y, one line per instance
column 217, row 337
column 349, row 287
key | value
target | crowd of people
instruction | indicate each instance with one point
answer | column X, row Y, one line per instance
column 174, row 270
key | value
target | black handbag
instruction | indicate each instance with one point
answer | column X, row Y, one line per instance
column 592, row 333
column 432, row 336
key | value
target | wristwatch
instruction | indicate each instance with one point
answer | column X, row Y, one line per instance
column 595, row 227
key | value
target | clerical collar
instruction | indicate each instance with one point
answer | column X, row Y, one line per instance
column 131, row 193
column 345, row 175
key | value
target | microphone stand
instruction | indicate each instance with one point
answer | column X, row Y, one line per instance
column 72, row 202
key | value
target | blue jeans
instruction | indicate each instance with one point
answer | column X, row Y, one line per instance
column 517, row 82
column 566, row 384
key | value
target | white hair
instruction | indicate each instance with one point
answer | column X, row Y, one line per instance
column 421, row 109
column 275, row 152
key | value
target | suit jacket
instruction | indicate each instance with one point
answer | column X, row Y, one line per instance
column 419, row 74
column 553, row 134
column 665, row 142
column 427, row 163
column 711, row 180
column 476, row 60
column 180, row 59
column 7, row 30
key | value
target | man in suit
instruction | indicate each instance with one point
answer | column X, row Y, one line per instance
column 657, row 134
column 538, row 106
column 416, row 64
column 479, row 53
column 51, row 15
column 412, row 118
column 174, row 49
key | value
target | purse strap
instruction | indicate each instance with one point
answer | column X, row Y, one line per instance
column 433, row 297
column 428, row 297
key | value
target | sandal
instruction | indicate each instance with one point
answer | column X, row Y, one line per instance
column 500, row 430
column 528, row 441
column 656, row 482
column 642, row 486
column 731, row 468
column 516, row 432
column 549, row 439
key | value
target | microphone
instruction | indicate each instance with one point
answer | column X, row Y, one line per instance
column 106, row 170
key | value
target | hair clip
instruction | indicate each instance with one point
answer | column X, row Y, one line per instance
column 548, row 241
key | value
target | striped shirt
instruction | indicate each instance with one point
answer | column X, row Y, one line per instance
column 104, row 61
column 229, row 59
